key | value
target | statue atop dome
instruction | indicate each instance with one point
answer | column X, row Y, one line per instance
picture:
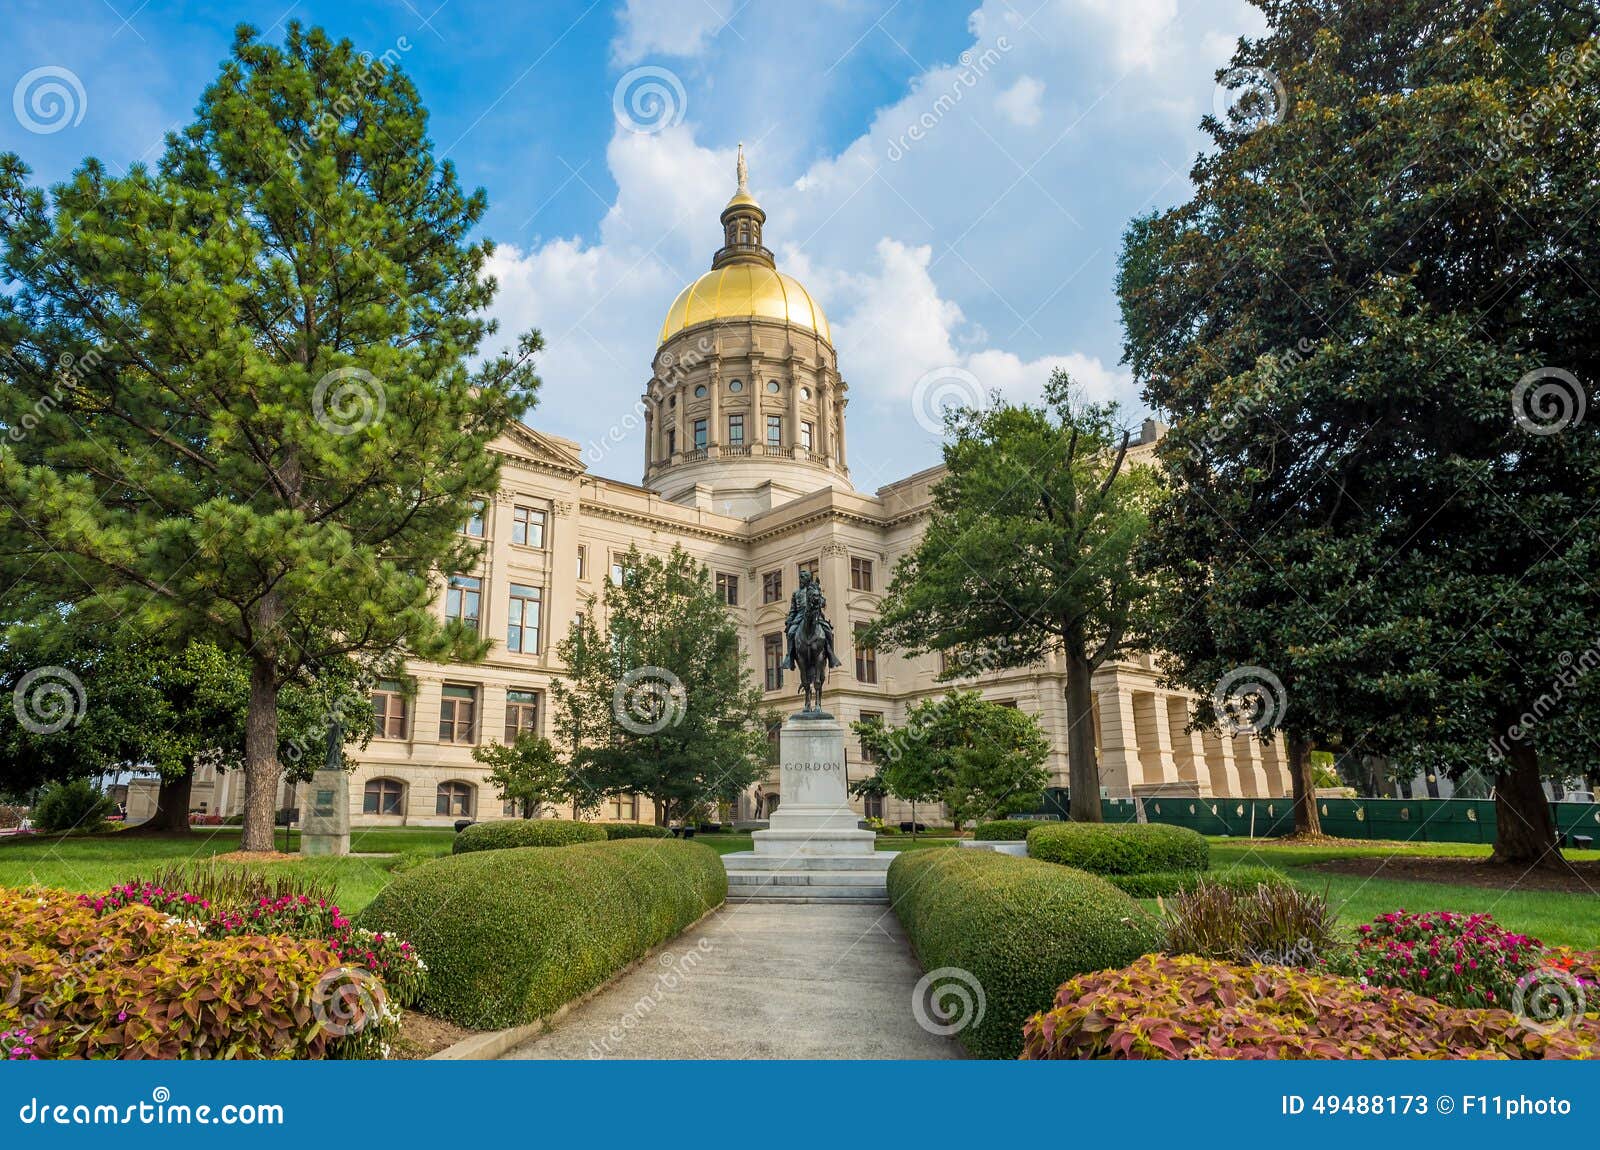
column 743, row 171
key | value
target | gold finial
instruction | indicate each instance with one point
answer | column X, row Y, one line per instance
column 744, row 172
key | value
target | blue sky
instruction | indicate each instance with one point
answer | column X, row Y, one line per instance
column 972, row 253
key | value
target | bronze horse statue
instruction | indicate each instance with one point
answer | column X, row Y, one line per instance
column 810, row 643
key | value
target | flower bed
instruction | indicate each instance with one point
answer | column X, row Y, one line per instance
column 1166, row 1007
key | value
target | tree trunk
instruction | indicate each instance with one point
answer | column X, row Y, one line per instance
column 1306, row 819
column 1083, row 773
column 261, row 770
column 1526, row 834
column 172, row 805
column 661, row 806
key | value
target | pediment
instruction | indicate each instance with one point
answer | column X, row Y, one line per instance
column 533, row 446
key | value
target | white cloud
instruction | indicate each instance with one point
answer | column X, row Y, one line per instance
column 669, row 27
column 1021, row 103
column 987, row 244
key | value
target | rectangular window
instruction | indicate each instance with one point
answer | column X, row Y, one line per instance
column 522, row 714
column 625, row 807
column 870, row 717
column 774, row 431
column 522, row 625
column 772, row 587
column 462, row 599
column 672, row 442
column 474, row 524
column 527, row 527
column 389, row 710
column 699, row 435
column 619, row 572
column 736, row 430
column 583, row 561
column 805, row 435
column 458, row 714
column 860, row 574
column 772, row 657
column 728, row 588
column 811, row 565
column 866, row 657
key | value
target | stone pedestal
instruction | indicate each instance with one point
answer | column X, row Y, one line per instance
column 813, row 818
column 325, row 825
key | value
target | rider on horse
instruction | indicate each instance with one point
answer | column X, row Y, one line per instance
column 809, row 592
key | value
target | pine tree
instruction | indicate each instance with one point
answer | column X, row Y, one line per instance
column 236, row 387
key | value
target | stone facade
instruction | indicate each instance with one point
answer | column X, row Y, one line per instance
column 745, row 467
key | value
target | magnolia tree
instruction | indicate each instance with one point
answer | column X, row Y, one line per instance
column 236, row 383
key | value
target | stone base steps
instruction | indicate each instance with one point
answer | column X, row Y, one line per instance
column 858, row 879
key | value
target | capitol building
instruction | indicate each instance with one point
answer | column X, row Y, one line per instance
column 746, row 467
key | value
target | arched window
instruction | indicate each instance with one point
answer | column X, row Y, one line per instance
column 383, row 797
column 454, row 799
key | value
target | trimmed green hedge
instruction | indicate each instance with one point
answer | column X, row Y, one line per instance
column 1120, row 848
column 512, row 935
column 1161, row 884
column 510, row 833
column 635, row 831
column 1008, row 830
column 1018, row 927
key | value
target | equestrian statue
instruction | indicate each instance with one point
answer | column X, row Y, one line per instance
column 810, row 641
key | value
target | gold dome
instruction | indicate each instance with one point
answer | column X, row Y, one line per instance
column 745, row 290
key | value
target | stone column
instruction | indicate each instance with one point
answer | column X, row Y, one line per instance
column 824, row 432
column 1119, row 757
column 1188, row 747
column 1154, row 738
column 1247, row 756
column 679, row 426
column 716, row 435
column 649, row 434
column 758, row 406
column 844, row 402
column 1219, row 762
column 794, row 407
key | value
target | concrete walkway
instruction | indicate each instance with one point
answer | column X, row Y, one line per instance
column 760, row 980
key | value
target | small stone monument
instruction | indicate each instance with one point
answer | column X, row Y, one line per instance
column 814, row 818
column 325, row 826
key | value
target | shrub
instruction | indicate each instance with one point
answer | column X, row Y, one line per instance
column 512, row 935
column 1166, row 1007
column 635, row 831
column 510, row 833
column 71, row 806
column 92, row 986
column 1008, row 830
column 1017, row 927
column 1280, row 924
column 1463, row 959
column 1120, row 848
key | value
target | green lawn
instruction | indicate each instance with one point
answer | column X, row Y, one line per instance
column 1558, row 919
column 95, row 862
